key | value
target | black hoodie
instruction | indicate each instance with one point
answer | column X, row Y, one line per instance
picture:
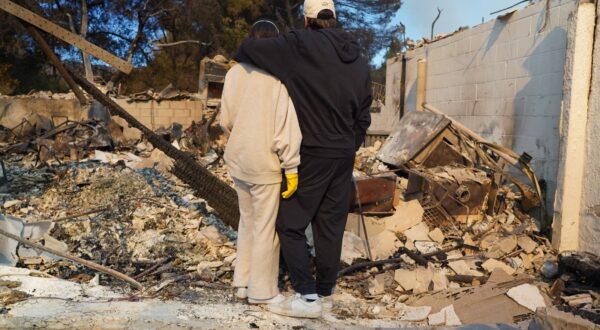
column 328, row 81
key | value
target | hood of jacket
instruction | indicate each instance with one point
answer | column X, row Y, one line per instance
column 345, row 45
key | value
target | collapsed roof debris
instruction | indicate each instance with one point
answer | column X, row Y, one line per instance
column 440, row 242
column 462, row 241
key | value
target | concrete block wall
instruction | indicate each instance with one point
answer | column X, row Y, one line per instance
column 152, row 114
column 155, row 114
column 503, row 79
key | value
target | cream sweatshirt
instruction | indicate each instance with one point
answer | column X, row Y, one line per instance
column 264, row 134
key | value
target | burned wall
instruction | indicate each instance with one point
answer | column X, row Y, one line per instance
column 503, row 79
column 14, row 110
column 153, row 114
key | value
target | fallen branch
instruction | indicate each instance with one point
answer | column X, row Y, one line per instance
column 78, row 260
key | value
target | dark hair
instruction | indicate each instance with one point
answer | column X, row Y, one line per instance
column 264, row 29
column 325, row 20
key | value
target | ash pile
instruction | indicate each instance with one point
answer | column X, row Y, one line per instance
column 98, row 190
column 448, row 229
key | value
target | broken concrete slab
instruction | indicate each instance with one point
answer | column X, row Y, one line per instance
column 424, row 276
column 460, row 267
column 528, row 296
column 384, row 245
column 406, row 278
column 502, row 247
column 447, row 316
column 408, row 214
column 420, row 232
column 491, row 264
column 440, row 281
column 527, row 244
column 353, row 247
column 415, row 314
column 437, row 319
column 374, row 226
column 437, row 235
column 377, row 285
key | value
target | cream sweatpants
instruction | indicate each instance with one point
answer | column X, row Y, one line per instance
column 257, row 264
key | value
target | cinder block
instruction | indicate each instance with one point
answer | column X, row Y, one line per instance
column 179, row 105
column 469, row 92
column 163, row 122
column 507, row 51
column 163, row 112
column 545, row 105
column 478, row 41
column 182, row 112
column 516, row 69
column 146, row 120
column 520, row 29
column 132, row 110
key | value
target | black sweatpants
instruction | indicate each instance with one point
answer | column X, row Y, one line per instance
column 322, row 199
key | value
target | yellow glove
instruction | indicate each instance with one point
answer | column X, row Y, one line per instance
column 292, row 185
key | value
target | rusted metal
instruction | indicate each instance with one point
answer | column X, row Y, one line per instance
column 414, row 133
column 452, row 191
column 376, row 194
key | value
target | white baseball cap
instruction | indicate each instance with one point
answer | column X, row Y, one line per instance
column 312, row 8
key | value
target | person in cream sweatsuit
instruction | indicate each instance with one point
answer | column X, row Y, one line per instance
column 264, row 140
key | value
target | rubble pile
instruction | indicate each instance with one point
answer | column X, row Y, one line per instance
column 97, row 190
column 140, row 219
column 441, row 233
column 460, row 233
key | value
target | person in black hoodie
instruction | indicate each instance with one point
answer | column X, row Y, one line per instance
column 330, row 85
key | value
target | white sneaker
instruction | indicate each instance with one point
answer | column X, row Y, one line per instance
column 241, row 293
column 295, row 306
column 275, row 300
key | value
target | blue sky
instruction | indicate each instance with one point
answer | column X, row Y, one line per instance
column 417, row 15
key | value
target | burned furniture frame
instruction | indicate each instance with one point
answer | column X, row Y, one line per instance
column 430, row 139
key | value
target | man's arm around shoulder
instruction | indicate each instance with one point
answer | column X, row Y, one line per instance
column 277, row 56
